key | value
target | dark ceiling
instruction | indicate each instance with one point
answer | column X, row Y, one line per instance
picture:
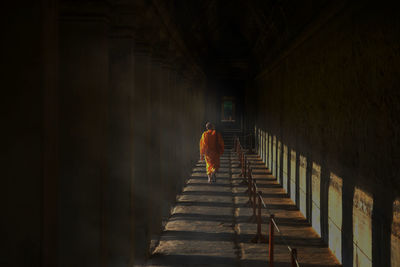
column 236, row 38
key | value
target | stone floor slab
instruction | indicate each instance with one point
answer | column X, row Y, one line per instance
column 213, row 225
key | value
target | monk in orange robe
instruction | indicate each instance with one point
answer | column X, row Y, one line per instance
column 211, row 147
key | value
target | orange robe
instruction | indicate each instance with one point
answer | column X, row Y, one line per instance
column 212, row 146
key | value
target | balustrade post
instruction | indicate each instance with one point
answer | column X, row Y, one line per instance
column 249, row 182
column 271, row 240
column 245, row 167
column 236, row 145
column 243, row 164
column 254, row 199
column 239, row 154
column 259, row 238
column 251, row 144
column 294, row 257
column 259, row 214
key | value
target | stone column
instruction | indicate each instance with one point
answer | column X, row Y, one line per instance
column 347, row 235
column 175, row 123
column 29, row 110
column 141, row 143
column 187, row 133
column 120, row 187
column 154, row 162
column 180, row 131
column 167, row 140
column 382, row 219
column 84, row 92
column 50, row 133
column 211, row 104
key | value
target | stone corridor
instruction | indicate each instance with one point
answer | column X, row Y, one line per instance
column 210, row 224
column 104, row 104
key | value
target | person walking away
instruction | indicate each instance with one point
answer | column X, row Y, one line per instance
column 211, row 149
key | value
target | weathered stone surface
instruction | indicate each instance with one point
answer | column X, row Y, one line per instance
column 334, row 95
column 211, row 224
column 199, row 231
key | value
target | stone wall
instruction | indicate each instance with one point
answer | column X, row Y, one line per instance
column 333, row 99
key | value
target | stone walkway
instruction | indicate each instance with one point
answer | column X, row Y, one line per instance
column 209, row 226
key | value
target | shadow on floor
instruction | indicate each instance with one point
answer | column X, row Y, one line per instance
column 271, row 207
column 203, row 236
column 191, row 260
column 203, row 171
column 277, row 195
column 214, row 184
column 204, row 204
column 205, row 178
column 201, row 217
column 292, row 241
column 207, row 193
column 202, row 260
column 265, row 220
column 264, row 263
column 261, row 185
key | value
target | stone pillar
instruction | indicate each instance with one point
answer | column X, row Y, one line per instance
column 185, row 130
column 285, row 169
column 200, row 107
column 303, row 185
column 266, row 155
column 179, row 129
column 324, row 189
column 50, row 133
column 164, row 139
column 120, row 187
column 154, row 162
column 395, row 234
column 335, row 215
column 84, row 92
column 270, row 150
column 279, row 162
column 167, row 140
column 363, row 206
column 176, row 123
column 347, row 245
column 382, row 218
column 315, row 201
column 273, row 166
column 293, row 167
column 142, row 156
column 29, row 111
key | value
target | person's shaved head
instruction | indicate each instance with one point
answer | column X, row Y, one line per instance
column 209, row 126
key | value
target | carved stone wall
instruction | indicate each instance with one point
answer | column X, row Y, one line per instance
column 332, row 97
